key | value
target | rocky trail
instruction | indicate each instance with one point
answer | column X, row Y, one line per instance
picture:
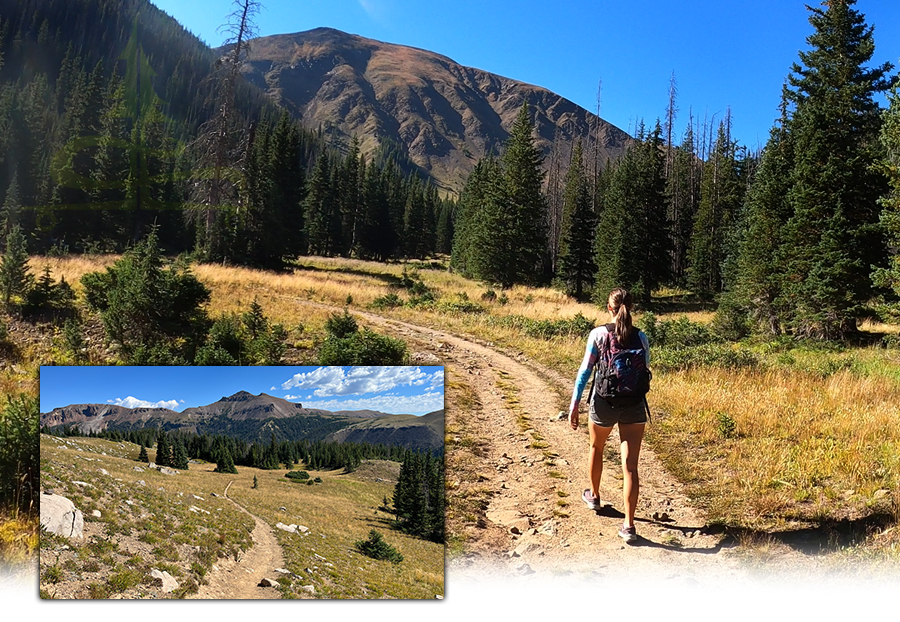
column 534, row 522
column 240, row 579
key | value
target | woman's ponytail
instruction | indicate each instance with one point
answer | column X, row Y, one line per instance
column 620, row 303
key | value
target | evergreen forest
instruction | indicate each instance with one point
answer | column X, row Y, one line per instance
column 118, row 124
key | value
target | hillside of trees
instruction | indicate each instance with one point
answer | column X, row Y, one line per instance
column 800, row 238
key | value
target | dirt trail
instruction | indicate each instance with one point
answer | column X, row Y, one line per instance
column 240, row 579
column 524, row 530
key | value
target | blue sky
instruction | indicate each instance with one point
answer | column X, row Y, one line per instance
column 724, row 53
column 395, row 390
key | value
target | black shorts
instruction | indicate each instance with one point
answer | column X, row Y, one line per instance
column 606, row 416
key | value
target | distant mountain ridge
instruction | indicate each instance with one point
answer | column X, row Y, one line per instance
column 255, row 418
column 447, row 116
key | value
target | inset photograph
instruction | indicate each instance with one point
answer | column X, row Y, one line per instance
column 242, row 482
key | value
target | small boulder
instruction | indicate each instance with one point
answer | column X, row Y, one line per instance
column 59, row 516
column 168, row 582
column 267, row 583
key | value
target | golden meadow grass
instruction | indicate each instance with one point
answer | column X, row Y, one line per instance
column 338, row 511
column 813, row 434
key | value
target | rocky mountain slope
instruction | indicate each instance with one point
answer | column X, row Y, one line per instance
column 257, row 416
column 445, row 115
column 423, row 432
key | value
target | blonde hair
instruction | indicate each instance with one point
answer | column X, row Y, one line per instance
column 620, row 303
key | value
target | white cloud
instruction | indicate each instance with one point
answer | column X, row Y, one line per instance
column 437, row 378
column 329, row 381
column 133, row 402
column 273, row 389
column 408, row 404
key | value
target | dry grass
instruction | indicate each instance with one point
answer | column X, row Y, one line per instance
column 766, row 446
column 338, row 512
column 150, row 525
column 807, row 435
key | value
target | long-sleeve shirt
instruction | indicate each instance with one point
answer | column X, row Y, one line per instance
column 595, row 344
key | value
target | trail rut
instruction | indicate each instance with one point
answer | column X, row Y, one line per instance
column 240, row 579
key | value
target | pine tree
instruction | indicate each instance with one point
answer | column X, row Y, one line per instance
column 224, row 461
column 142, row 456
column 889, row 276
column 759, row 275
column 632, row 241
column 720, row 196
column 14, row 275
column 832, row 238
column 576, row 260
column 517, row 228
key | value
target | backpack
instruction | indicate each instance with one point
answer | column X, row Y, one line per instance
column 622, row 377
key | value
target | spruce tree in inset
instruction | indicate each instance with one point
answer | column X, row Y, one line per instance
column 576, row 252
column 179, row 455
column 833, row 239
column 224, row 461
column 142, row 456
column 163, row 450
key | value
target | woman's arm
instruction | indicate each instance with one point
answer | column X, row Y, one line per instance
column 591, row 354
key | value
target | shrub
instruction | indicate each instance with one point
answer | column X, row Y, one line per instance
column 146, row 305
column 709, row 355
column 19, row 451
column 388, row 301
column 376, row 548
column 340, row 326
column 46, row 299
column 297, row 475
column 362, row 348
column 678, row 333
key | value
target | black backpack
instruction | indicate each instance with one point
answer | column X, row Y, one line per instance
column 622, row 377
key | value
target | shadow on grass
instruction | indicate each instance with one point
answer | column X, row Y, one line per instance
column 678, row 304
column 824, row 537
column 827, row 536
column 388, row 278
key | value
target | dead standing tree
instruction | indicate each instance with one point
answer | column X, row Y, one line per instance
column 222, row 142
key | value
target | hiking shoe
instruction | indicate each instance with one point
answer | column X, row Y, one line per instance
column 629, row 534
column 590, row 500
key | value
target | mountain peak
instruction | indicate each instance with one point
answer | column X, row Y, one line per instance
column 240, row 396
column 445, row 116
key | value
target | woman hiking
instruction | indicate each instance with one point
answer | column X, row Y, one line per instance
column 607, row 407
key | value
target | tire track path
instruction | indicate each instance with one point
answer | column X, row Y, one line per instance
column 524, row 529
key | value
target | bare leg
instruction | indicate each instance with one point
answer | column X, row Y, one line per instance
column 599, row 435
column 631, row 434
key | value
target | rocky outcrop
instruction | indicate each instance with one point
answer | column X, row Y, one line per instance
column 60, row 516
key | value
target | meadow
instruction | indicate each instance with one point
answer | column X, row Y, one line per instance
column 768, row 434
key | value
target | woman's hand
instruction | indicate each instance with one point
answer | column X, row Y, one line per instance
column 573, row 416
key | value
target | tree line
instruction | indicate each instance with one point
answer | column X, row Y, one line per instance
column 269, row 455
column 801, row 238
column 91, row 158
